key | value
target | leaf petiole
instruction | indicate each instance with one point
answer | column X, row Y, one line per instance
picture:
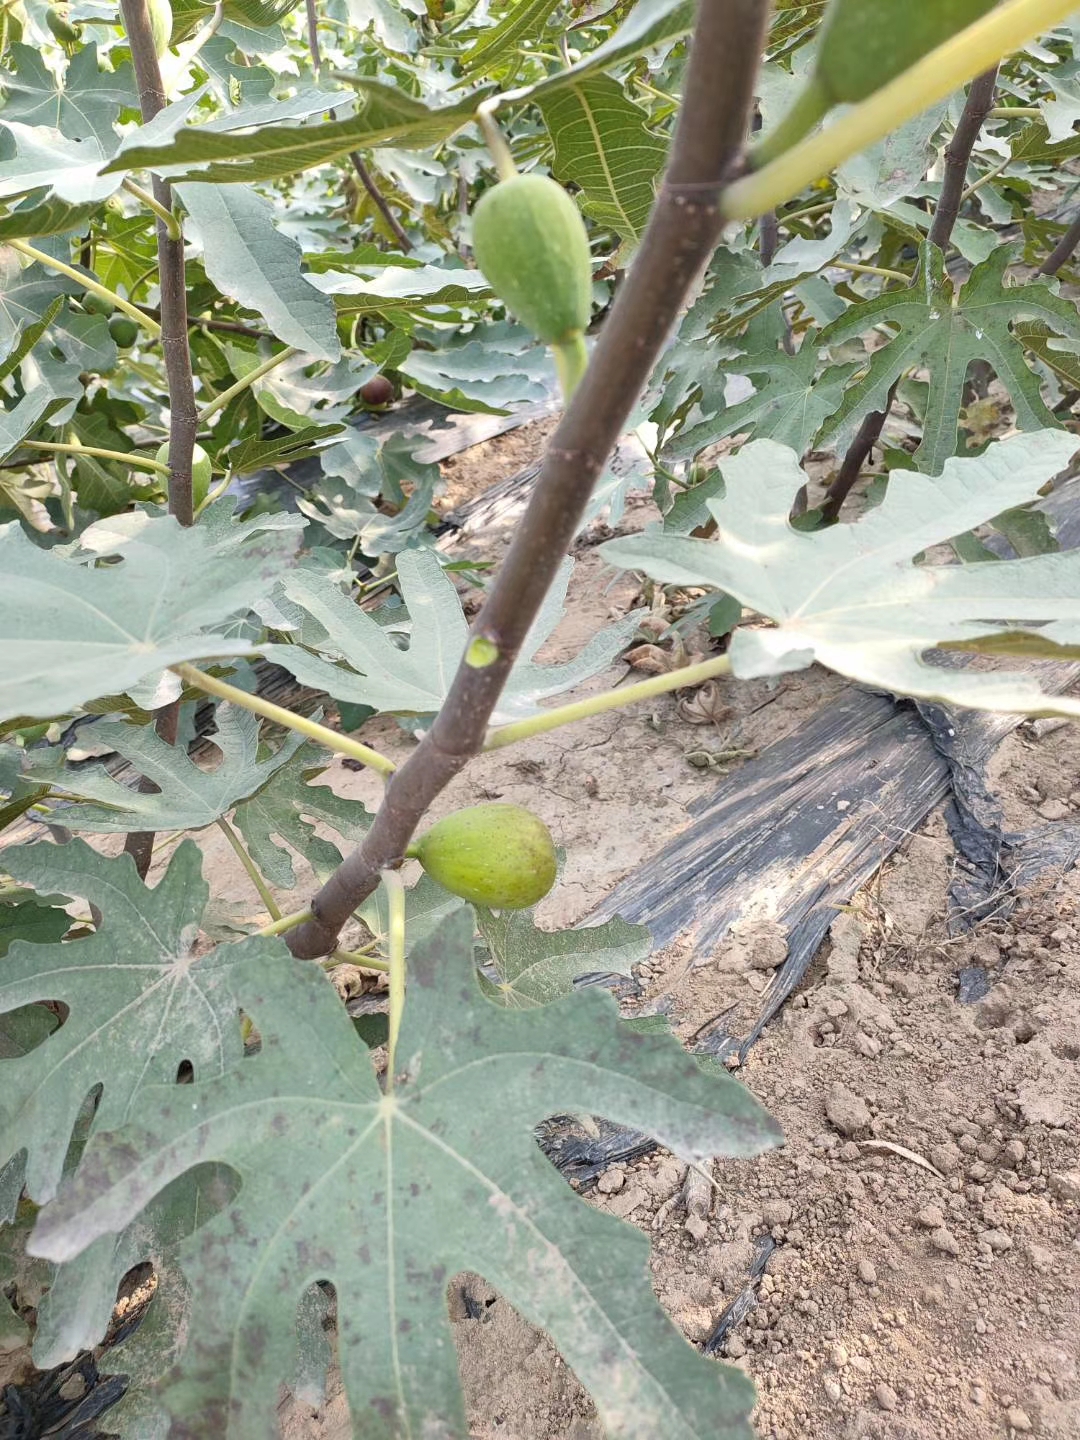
column 607, row 700
column 167, row 217
column 137, row 462
column 341, row 744
column 936, row 76
column 270, row 904
column 395, row 895
column 88, row 283
column 246, row 383
column 286, row 923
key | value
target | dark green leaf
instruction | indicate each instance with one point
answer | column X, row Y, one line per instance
column 388, row 1197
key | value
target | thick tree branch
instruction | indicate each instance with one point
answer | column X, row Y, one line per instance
column 171, row 279
column 183, row 417
column 978, row 105
column 682, row 234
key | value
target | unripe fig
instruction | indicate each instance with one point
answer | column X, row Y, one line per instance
column 864, row 44
column 532, row 247
column 201, row 471
column 500, row 856
column 61, row 28
column 97, row 304
column 123, row 331
column 377, row 391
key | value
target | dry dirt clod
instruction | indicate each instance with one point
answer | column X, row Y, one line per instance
column 885, row 1396
column 1019, row 1420
column 611, row 1181
column 1065, row 1185
column 996, row 1240
column 848, row 1112
column 945, row 1241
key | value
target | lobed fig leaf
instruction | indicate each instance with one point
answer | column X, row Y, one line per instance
column 388, row 1197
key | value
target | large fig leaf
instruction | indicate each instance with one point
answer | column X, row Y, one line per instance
column 140, row 1003
column 852, row 596
column 388, row 1196
column 416, row 681
column 386, row 115
column 70, row 631
column 946, row 331
column 188, row 797
column 604, row 146
column 248, row 256
column 84, row 102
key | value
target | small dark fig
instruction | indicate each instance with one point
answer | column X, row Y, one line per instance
column 377, row 391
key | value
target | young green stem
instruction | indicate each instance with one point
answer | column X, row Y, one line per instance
column 341, row 744
column 246, row 382
column 213, row 495
column 137, row 462
column 608, row 700
column 968, row 53
column 240, row 850
column 395, row 895
column 286, row 923
column 495, row 140
column 167, row 217
column 360, row 958
column 872, row 270
column 95, row 287
column 571, row 360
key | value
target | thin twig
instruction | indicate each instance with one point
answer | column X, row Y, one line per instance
column 682, row 234
column 977, row 107
column 1062, row 251
column 363, row 174
column 957, row 159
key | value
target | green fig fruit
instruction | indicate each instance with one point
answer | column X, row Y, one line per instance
column 201, row 471
column 123, row 331
column 532, row 247
column 61, row 28
column 499, row 856
column 95, row 304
